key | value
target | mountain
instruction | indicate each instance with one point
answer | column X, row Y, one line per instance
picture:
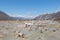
column 57, row 16
column 4, row 16
column 52, row 16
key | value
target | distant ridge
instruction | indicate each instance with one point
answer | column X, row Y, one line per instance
column 52, row 16
column 4, row 16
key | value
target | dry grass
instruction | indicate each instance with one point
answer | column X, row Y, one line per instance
column 40, row 30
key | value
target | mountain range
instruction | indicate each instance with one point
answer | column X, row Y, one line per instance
column 4, row 16
column 51, row 16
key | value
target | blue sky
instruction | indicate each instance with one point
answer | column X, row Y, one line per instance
column 29, row 8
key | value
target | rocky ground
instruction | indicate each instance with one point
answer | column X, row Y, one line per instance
column 29, row 30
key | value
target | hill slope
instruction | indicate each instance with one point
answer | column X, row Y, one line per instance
column 3, row 16
column 52, row 16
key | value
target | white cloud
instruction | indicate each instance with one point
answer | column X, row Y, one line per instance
column 18, row 15
column 29, row 14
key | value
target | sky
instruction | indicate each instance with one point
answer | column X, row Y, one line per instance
column 29, row 8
